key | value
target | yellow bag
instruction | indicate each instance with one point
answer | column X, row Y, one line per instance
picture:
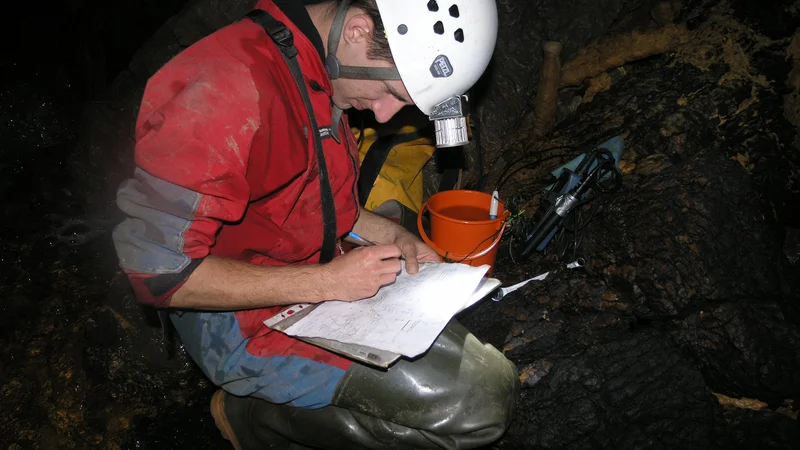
column 391, row 167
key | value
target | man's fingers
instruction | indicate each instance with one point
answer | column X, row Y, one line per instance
column 393, row 266
column 384, row 251
column 387, row 278
column 410, row 255
column 412, row 265
column 427, row 254
column 431, row 257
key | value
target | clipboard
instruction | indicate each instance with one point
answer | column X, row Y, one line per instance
column 361, row 353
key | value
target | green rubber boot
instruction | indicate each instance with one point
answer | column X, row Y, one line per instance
column 459, row 395
column 234, row 418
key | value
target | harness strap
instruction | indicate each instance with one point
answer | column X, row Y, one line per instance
column 284, row 39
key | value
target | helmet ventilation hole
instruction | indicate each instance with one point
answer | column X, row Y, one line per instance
column 454, row 11
column 438, row 27
column 402, row 29
column 433, row 6
column 459, row 35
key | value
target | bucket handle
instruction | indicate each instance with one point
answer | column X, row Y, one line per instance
column 453, row 256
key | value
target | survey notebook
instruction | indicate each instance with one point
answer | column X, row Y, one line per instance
column 402, row 319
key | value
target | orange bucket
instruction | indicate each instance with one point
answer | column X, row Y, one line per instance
column 461, row 230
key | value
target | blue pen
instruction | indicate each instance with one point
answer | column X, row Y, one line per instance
column 364, row 242
column 360, row 240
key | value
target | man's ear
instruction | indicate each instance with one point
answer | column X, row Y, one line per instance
column 358, row 29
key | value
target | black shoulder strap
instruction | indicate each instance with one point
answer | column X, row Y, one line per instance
column 375, row 158
column 283, row 38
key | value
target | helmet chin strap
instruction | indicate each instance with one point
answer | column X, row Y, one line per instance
column 336, row 70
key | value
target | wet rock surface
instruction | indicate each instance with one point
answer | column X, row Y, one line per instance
column 80, row 366
column 524, row 27
column 687, row 298
column 680, row 332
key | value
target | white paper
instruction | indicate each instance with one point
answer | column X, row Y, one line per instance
column 404, row 317
column 486, row 287
column 507, row 290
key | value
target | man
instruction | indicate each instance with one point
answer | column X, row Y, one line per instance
column 245, row 181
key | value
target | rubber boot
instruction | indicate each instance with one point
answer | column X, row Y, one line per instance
column 233, row 417
column 459, row 395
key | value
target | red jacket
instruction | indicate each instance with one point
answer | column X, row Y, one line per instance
column 226, row 164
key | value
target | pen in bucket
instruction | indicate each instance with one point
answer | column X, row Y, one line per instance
column 493, row 206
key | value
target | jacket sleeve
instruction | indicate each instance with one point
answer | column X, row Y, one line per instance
column 193, row 138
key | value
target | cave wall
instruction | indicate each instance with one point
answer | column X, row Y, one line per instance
column 510, row 84
column 682, row 328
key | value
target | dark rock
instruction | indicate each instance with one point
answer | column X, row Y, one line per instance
column 791, row 246
column 511, row 82
column 687, row 261
column 601, row 383
column 744, row 428
column 685, row 234
column 745, row 350
column 695, row 221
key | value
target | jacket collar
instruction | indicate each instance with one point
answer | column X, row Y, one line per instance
column 297, row 13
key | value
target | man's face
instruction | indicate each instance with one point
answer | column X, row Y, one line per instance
column 384, row 98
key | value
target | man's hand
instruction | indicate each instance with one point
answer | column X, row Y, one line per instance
column 415, row 251
column 360, row 273
column 381, row 229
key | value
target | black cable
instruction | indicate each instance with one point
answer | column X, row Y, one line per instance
column 502, row 180
column 479, row 149
column 524, row 186
column 592, row 217
column 361, row 134
column 608, row 135
column 526, row 156
column 578, row 226
column 563, row 236
column 492, row 236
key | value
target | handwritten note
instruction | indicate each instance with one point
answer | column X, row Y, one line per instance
column 404, row 317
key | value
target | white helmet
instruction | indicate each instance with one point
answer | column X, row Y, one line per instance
column 440, row 49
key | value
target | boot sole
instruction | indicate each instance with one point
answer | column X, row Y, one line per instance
column 218, row 413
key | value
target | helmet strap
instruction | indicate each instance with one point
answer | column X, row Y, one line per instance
column 336, row 117
column 336, row 70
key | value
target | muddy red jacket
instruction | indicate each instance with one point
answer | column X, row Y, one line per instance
column 226, row 163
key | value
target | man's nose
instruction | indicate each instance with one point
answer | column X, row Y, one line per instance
column 385, row 108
